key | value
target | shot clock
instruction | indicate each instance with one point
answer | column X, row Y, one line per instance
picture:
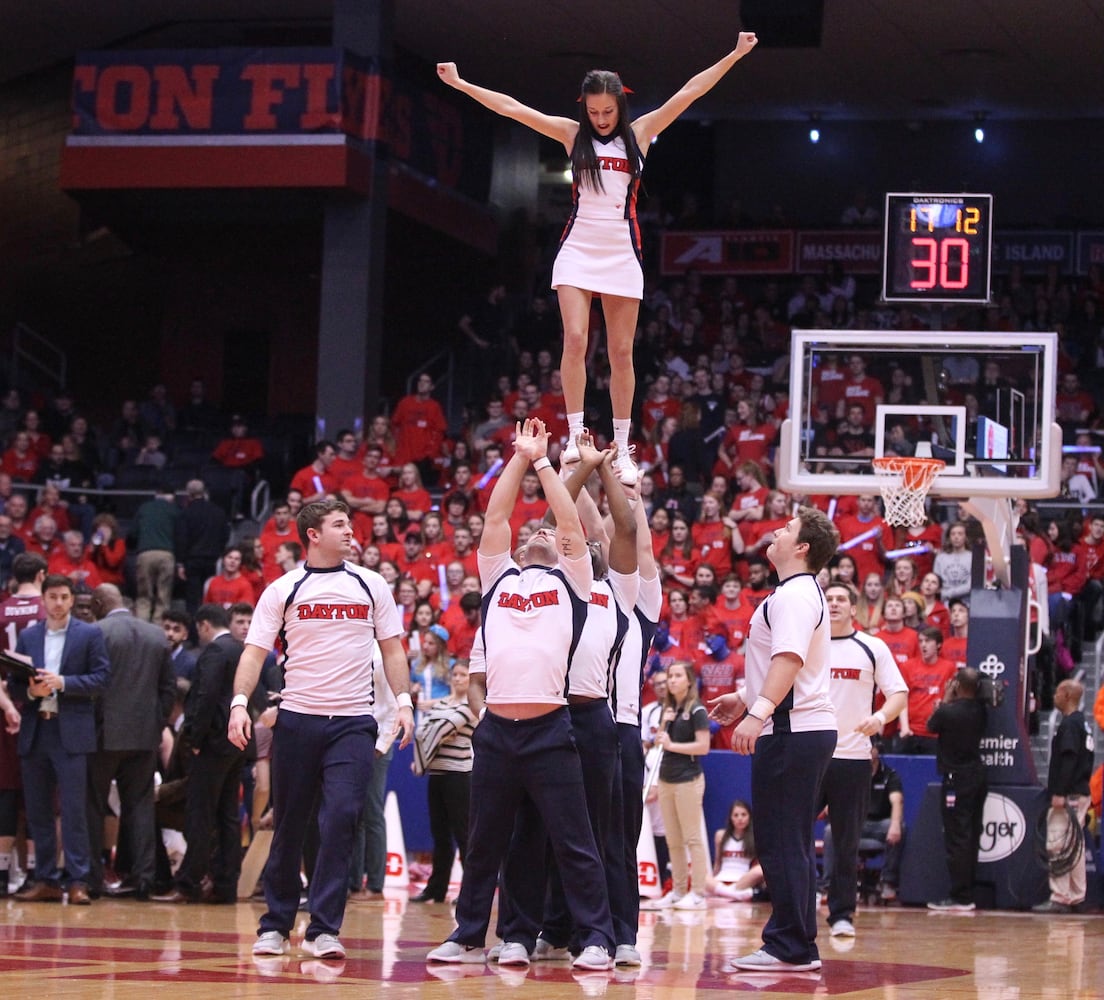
column 938, row 248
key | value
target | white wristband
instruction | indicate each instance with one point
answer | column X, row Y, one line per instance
column 239, row 701
column 880, row 716
column 763, row 708
column 540, row 464
column 404, row 700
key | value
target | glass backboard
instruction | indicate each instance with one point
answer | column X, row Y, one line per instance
column 983, row 402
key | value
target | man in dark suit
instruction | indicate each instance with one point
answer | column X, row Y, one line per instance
column 130, row 716
column 205, row 529
column 215, row 766
column 58, row 733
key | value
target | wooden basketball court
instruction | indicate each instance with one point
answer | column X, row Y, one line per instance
column 125, row 949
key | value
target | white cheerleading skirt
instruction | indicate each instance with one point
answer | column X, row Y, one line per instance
column 601, row 256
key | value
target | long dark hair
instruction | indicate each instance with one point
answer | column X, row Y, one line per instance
column 748, row 837
column 584, row 162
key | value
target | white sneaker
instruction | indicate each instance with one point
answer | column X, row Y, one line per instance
column 570, row 453
column 545, row 951
column 271, row 943
column 492, row 955
column 454, row 951
column 663, row 903
column 691, row 901
column 325, row 946
column 843, row 928
column 513, row 953
column 626, row 955
column 625, row 468
column 594, row 958
column 763, row 961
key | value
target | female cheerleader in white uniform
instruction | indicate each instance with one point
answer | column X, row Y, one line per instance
column 600, row 249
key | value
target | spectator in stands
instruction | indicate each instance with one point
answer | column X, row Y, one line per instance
column 11, row 545
column 252, row 567
column 747, row 440
column 860, row 212
column 870, row 604
column 107, row 549
column 954, row 646
column 954, row 565
column 314, row 481
column 415, row 498
column 844, row 569
column 860, row 389
column 876, row 536
column 204, row 530
column 677, row 497
column 366, row 491
column 11, row 412
column 154, row 530
column 1074, row 407
column 414, row 563
column 1065, row 575
column 20, row 461
column 420, row 426
column 50, row 504
column 679, row 558
column 1090, row 551
column 1073, row 483
column 40, row 440
column 151, row 455
column 934, row 611
column 157, row 413
column 776, row 514
column 240, row 450
column 229, row 586
column 902, row 640
column 72, row 561
column 43, row 539
column 379, row 433
column 198, row 413
column 659, row 404
column 927, row 676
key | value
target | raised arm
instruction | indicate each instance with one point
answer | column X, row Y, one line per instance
column 649, row 125
column 497, row 536
column 622, row 547
column 563, row 130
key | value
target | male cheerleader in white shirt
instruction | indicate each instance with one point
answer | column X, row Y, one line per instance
column 859, row 662
column 791, row 730
column 328, row 615
column 524, row 897
column 534, row 610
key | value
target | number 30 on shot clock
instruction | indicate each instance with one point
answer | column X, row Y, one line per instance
column 938, row 248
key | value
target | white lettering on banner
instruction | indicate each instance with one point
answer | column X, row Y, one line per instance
column 1003, row 828
column 703, row 248
column 991, row 666
column 1044, row 252
column 839, row 251
column 1000, row 751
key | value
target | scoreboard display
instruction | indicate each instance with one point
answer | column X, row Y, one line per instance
column 938, row 248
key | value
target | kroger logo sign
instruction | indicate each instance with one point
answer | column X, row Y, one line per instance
column 1003, row 828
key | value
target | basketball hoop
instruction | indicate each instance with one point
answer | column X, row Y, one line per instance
column 904, row 483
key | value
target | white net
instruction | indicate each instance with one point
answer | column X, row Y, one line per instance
column 904, row 484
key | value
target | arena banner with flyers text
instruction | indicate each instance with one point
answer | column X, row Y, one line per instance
column 287, row 117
